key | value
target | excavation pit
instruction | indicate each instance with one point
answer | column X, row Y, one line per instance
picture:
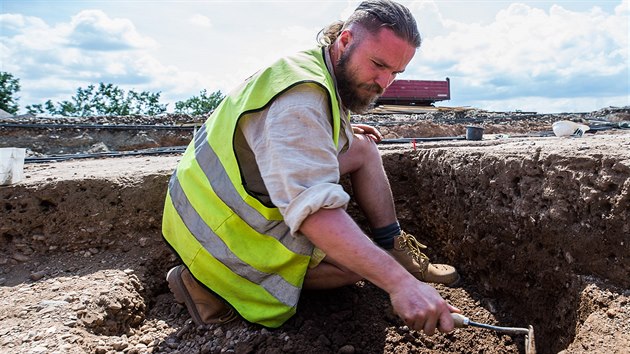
column 538, row 227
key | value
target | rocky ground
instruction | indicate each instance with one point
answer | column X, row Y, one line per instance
column 537, row 225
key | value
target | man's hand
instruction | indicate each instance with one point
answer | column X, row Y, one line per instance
column 368, row 130
column 422, row 308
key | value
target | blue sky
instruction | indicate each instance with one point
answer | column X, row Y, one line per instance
column 543, row 56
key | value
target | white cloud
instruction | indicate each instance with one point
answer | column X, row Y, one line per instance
column 429, row 19
column 14, row 22
column 530, row 52
column 53, row 61
column 200, row 21
column 94, row 30
column 496, row 54
column 25, row 32
column 551, row 105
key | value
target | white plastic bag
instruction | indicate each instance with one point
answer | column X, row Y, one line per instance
column 569, row 128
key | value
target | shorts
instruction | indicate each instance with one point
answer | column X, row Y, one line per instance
column 316, row 258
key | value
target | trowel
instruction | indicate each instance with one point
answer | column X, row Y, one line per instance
column 462, row 321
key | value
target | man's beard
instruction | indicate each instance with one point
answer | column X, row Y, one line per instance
column 350, row 89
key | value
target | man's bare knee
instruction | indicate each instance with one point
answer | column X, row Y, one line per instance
column 362, row 150
column 329, row 276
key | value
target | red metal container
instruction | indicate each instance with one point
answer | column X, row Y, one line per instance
column 416, row 92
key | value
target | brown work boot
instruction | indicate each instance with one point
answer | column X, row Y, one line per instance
column 203, row 306
column 407, row 251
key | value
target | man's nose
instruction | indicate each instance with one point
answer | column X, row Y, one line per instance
column 385, row 79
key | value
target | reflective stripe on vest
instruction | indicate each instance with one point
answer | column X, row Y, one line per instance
column 213, row 223
column 274, row 284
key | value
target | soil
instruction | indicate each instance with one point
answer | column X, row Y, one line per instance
column 538, row 226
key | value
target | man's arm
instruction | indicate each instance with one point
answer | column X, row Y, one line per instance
column 418, row 304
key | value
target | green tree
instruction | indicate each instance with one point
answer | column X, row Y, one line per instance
column 107, row 100
column 198, row 105
column 9, row 86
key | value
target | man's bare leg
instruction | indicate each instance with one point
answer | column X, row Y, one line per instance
column 370, row 185
column 372, row 192
column 329, row 275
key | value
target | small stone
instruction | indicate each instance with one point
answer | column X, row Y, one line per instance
column 20, row 257
column 115, row 306
column 38, row 275
column 611, row 312
column 72, row 339
column 52, row 303
column 568, row 257
column 347, row 349
column 172, row 343
column 79, row 307
column 146, row 339
column 120, row 345
column 323, row 340
column 101, row 350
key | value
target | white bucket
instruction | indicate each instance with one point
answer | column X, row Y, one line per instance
column 11, row 165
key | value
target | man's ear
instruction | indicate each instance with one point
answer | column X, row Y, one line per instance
column 345, row 37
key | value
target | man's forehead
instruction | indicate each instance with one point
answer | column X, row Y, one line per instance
column 389, row 48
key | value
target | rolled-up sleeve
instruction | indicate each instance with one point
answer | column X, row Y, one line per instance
column 293, row 147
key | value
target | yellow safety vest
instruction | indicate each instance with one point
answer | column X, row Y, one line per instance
column 230, row 241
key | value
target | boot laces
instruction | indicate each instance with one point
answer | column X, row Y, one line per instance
column 413, row 248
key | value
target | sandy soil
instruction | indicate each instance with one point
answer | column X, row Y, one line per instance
column 538, row 227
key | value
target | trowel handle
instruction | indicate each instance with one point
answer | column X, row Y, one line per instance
column 463, row 321
column 460, row 320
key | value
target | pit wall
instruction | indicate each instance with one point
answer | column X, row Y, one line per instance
column 528, row 224
column 90, row 207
